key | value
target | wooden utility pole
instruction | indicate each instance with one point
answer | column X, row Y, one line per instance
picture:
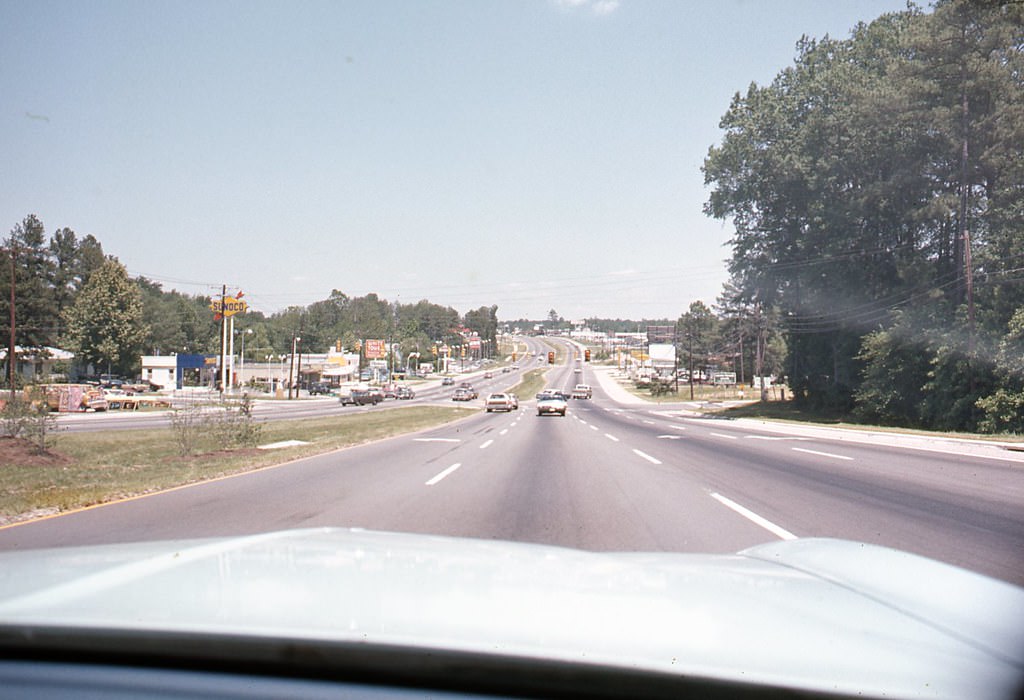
column 11, row 359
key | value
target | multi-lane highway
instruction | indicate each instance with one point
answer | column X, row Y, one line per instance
column 608, row 476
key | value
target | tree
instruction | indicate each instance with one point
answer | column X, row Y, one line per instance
column 696, row 334
column 853, row 180
column 105, row 325
column 35, row 322
column 483, row 321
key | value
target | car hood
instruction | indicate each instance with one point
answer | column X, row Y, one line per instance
column 815, row 614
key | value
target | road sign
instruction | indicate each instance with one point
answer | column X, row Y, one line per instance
column 228, row 306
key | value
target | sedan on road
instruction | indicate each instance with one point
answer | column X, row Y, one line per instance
column 551, row 403
column 499, row 402
column 461, row 394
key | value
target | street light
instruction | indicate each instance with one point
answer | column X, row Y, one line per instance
column 241, row 368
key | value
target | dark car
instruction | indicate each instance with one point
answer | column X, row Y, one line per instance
column 362, row 397
column 319, row 389
column 463, row 395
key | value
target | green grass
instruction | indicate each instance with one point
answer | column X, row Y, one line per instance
column 531, row 383
column 88, row 468
column 790, row 412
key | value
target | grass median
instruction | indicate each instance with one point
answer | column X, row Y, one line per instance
column 531, row 383
column 88, row 468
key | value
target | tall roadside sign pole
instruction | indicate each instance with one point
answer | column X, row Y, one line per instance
column 223, row 309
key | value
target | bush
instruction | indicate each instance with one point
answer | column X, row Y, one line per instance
column 1003, row 412
column 14, row 417
column 40, row 426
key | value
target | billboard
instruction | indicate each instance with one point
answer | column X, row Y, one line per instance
column 662, row 353
column 375, row 349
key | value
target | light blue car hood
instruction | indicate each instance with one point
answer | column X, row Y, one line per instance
column 815, row 614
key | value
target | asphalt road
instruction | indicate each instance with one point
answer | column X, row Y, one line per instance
column 609, row 476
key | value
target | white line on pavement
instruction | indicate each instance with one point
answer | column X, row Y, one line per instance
column 443, row 474
column 485, row 445
column 670, row 437
column 753, row 517
column 593, row 427
column 611, row 437
column 646, row 456
column 649, row 422
column 727, row 437
column 822, row 454
column 436, row 440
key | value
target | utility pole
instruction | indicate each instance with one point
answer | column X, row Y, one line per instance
column 11, row 359
column 291, row 367
column 223, row 339
column 675, row 356
column 759, row 355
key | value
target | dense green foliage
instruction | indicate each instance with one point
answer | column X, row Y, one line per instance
column 105, row 326
column 876, row 188
column 68, row 294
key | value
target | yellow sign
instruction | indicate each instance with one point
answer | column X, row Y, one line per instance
column 229, row 306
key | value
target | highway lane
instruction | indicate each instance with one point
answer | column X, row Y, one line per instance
column 264, row 410
column 607, row 477
column 509, row 476
column 962, row 509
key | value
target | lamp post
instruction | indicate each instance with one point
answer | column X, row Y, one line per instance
column 241, row 364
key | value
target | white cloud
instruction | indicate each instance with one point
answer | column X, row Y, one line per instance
column 605, row 7
column 597, row 7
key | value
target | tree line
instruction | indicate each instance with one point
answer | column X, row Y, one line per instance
column 876, row 190
column 69, row 294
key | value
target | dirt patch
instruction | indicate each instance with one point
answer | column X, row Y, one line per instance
column 19, row 452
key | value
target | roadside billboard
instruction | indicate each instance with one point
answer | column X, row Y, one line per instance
column 375, row 349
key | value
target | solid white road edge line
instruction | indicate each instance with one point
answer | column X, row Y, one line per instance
column 646, row 456
column 821, row 454
column 753, row 517
column 443, row 474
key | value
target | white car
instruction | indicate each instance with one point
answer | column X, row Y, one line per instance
column 550, row 403
column 807, row 618
column 499, row 402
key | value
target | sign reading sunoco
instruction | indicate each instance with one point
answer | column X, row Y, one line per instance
column 229, row 306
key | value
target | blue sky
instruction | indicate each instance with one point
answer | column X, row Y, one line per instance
column 533, row 154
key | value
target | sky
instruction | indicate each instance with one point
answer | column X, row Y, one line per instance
column 529, row 154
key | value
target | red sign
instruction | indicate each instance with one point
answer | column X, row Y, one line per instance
column 376, row 349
